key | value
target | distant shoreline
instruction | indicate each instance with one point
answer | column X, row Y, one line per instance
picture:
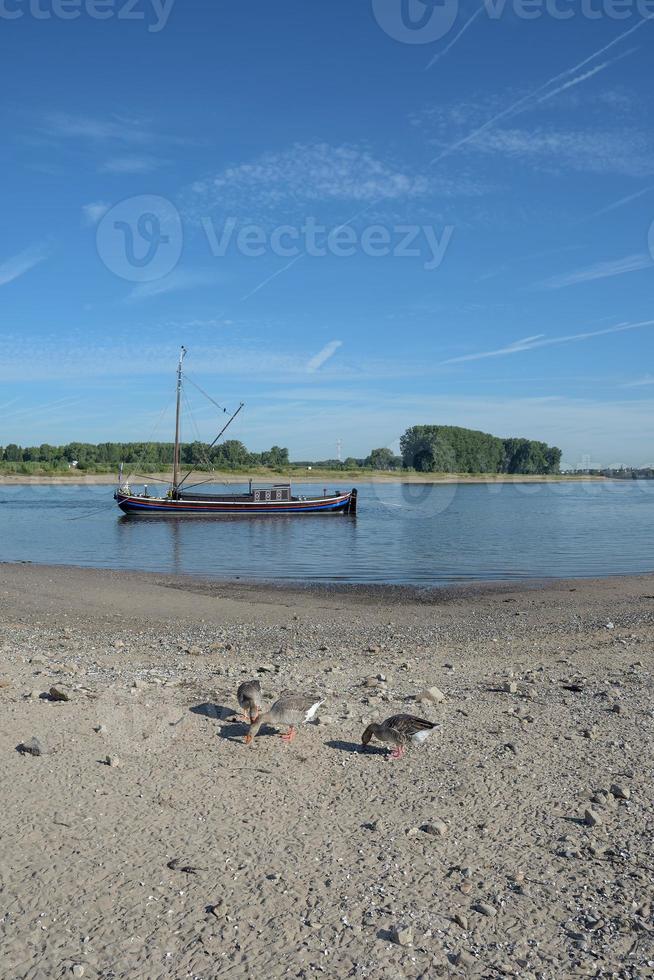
column 331, row 476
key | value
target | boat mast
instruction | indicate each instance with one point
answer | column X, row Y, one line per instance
column 182, row 352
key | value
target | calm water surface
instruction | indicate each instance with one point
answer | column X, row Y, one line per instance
column 419, row 534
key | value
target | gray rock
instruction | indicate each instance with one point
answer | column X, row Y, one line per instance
column 510, row 687
column 460, row 920
column 592, row 818
column 436, row 828
column 432, row 694
column 113, row 761
column 485, row 909
column 31, row 747
column 620, row 792
column 402, row 935
column 100, row 729
column 78, row 970
column 464, row 958
column 59, row 693
column 324, row 720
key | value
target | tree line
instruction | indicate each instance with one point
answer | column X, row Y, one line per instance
column 451, row 449
column 149, row 456
column 424, row 448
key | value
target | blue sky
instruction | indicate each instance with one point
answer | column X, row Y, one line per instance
column 357, row 216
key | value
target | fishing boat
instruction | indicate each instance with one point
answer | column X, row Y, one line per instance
column 259, row 499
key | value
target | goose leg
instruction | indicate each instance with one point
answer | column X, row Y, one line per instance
column 397, row 753
column 290, row 734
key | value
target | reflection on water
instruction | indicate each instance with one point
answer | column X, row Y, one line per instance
column 403, row 533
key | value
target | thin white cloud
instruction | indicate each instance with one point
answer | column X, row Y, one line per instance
column 130, row 165
column 622, row 152
column 541, row 340
column 307, row 174
column 573, row 82
column 640, row 383
column 448, row 47
column 619, row 203
column 117, row 129
column 531, row 97
column 17, row 265
column 323, row 355
column 94, row 211
column 601, row 270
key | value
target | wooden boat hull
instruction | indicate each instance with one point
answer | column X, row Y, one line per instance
column 137, row 504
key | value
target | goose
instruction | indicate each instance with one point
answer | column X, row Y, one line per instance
column 249, row 698
column 400, row 731
column 289, row 709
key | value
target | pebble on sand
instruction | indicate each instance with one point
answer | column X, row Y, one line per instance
column 432, row 694
column 485, row 909
column 620, row 792
column 31, row 747
column 510, row 687
column 59, row 693
column 402, row 935
column 592, row 818
column 77, row 970
column 113, row 761
column 436, row 828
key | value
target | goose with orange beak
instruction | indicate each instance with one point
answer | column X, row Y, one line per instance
column 399, row 731
column 289, row 709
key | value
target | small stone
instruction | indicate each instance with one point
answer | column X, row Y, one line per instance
column 510, row 687
column 373, row 649
column 610, row 625
column 590, row 733
column 113, row 761
column 78, row 970
column 432, row 694
column 59, row 693
column 485, row 909
column 436, row 828
column 464, row 958
column 465, row 887
column 372, row 682
column 31, row 747
column 617, row 709
column 402, row 935
column 194, row 652
column 266, row 669
column 412, row 832
column 34, row 694
column 139, row 685
column 592, row 818
column 118, row 645
column 324, row 720
column 460, row 920
column 620, row 792
column 100, row 729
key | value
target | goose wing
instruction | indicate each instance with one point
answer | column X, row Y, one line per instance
column 294, row 708
column 408, row 726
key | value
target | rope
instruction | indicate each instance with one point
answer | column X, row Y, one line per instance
column 150, row 439
column 203, row 392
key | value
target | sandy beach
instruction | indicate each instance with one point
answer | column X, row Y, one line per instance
column 146, row 840
column 369, row 476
